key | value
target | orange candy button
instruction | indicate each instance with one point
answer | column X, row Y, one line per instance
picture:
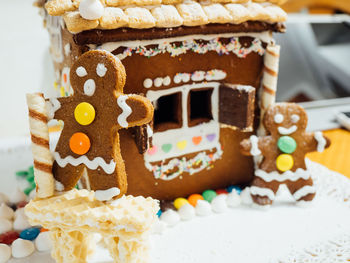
column 193, row 199
column 79, row 143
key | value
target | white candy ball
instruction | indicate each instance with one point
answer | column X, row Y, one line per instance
column 17, row 196
column 218, row 204
column 233, row 199
column 170, row 217
column 91, row 9
column 203, row 208
column 22, row 248
column 187, row 212
column 246, row 197
column 6, row 212
column 5, row 225
column 43, row 242
column 21, row 220
column 5, row 253
column 3, row 198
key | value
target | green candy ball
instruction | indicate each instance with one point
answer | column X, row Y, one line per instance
column 209, row 195
column 286, row 144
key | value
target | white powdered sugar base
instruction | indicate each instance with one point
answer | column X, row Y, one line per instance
column 284, row 233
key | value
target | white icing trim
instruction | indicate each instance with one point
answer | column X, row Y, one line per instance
column 101, row 70
column 149, row 131
column 89, row 87
column 321, row 141
column 295, row 118
column 186, row 133
column 67, row 49
column 91, row 164
column 254, row 150
column 158, row 82
column 304, row 191
column 288, row 175
column 54, row 27
column 278, row 118
column 106, row 195
column 126, row 111
column 147, row 83
column 287, row 131
column 52, row 106
column 166, row 81
column 81, row 71
column 254, row 190
column 59, row 186
column 166, row 46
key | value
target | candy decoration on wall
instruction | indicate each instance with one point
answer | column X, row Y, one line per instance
column 269, row 81
column 92, row 116
column 284, row 154
column 43, row 160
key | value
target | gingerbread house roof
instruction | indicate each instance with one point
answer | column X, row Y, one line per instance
column 142, row 14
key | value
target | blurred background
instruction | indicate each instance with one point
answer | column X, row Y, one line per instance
column 314, row 70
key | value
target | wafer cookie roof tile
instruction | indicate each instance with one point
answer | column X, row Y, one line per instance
column 142, row 14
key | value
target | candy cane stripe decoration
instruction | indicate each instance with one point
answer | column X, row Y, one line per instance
column 43, row 158
column 269, row 81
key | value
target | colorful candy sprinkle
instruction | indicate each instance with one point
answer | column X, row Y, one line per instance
column 159, row 213
column 286, row 144
column 193, row 199
column 221, row 191
column 284, row 162
column 29, row 233
column 180, row 202
column 8, row 237
column 234, row 187
column 84, row 113
column 209, row 195
column 79, row 143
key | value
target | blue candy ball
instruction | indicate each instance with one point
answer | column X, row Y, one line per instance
column 234, row 187
column 29, row 233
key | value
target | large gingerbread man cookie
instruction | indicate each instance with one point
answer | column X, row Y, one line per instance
column 92, row 116
column 283, row 153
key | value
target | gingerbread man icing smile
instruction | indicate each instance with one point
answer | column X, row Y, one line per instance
column 283, row 154
column 89, row 142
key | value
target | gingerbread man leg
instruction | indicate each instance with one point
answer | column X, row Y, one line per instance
column 65, row 176
column 263, row 193
column 302, row 190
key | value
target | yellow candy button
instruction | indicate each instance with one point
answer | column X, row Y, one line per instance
column 284, row 162
column 179, row 202
column 84, row 113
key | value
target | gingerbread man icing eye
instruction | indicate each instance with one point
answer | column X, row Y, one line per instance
column 278, row 118
column 81, row 71
column 295, row 118
column 101, row 70
column 89, row 87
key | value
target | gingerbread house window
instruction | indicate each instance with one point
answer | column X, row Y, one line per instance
column 199, row 106
column 168, row 112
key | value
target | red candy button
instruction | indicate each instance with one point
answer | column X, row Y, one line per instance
column 79, row 143
column 8, row 237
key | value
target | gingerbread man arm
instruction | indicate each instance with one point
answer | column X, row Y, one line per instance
column 316, row 141
column 136, row 110
column 55, row 109
column 255, row 146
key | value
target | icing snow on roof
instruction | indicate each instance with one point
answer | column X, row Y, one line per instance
column 81, row 15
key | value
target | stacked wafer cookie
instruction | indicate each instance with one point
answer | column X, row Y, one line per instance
column 72, row 217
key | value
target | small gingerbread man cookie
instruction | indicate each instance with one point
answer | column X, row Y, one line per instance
column 283, row 154
column 92, row 116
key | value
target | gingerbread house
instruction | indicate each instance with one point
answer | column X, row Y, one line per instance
column 209, row 68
